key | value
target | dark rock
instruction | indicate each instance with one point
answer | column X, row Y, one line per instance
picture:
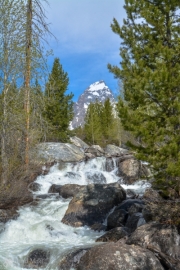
column 134, row 221
column 115, row 256
column 163, row 237
column 98, row 227
column 128, row 203
column 110, row 164
column 113, row 235
column 130, row 194
column 95, row 177
column 37, row 258
column 55, row 188
column 72, row 259
column 34, row 186
column 135, row 208
column 91, row 205
column 73, row 175
column 117, row 219
column 66, row 191
column 45, row 197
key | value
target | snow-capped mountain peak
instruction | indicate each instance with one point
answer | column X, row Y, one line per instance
column 100, row 85
column 96, row 91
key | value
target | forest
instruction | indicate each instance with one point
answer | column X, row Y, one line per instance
column 34, row 106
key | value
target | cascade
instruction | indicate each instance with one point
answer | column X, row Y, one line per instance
column 39, row 224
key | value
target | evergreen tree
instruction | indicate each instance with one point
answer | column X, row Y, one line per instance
column 92, row 127
column 59, row 106
column 107, row 122
column 150, row 76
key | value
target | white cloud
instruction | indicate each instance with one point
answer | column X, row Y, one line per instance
column 84, row 25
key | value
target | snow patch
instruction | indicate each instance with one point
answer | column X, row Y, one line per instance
column 97, row 86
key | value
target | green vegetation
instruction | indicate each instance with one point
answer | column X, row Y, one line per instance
column 58, row 105
column 149, row 73
column 101, row 126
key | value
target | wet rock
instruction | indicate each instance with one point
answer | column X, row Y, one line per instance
column 130, row 194
column 6, row 215
column 37, row 258
column 128, row 203
column 72, row 259
column 73, row 175
column 117, row 219
column 113, row 235
column 66, row 191
column 112, row 150
column 98, row 227
column 95, row 177
column 110, row 164
column 55, row 188
column 34, row 186
column 78, row 142
column 161, row 236
column 59, row 152
column 135, row 208
column 135, row 220
column 115, row 256
column 91, row 205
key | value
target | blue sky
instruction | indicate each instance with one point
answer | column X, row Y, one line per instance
column 86, row 43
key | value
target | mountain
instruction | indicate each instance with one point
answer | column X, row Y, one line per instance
column 96, row 91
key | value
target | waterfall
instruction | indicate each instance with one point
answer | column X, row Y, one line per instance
column 39, row 223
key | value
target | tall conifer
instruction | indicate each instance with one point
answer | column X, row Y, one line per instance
column 59, row 106
column 149, row 72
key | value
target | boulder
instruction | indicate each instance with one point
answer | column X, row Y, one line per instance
column 66, row 191
column 112, row 150
column 116, row 256
column 72, row 259
column 127, row 204
column 152, row 195
column 135, row 220
column 93, row 152
column 98, row 147
column 59, row 152
column 37, row 258
column 95, row 177
column 34, row 186
column 117, row 219
column 129, row 170
column 78, row 142
column 113, row 235
column 161, row 236
column 91, row 205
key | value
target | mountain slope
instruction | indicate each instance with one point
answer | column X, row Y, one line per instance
column 96, row 91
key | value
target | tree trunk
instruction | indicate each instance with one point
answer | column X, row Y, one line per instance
column 28, row 76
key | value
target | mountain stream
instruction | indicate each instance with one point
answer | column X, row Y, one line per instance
column 39, row 225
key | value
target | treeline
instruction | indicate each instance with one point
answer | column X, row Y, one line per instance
column 103, row 126
column 31, row 110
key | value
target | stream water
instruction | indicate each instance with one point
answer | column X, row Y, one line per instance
column 39, row 225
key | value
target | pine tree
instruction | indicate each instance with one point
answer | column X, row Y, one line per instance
column 149, row 72
column 92, row 127
column 59, row 106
